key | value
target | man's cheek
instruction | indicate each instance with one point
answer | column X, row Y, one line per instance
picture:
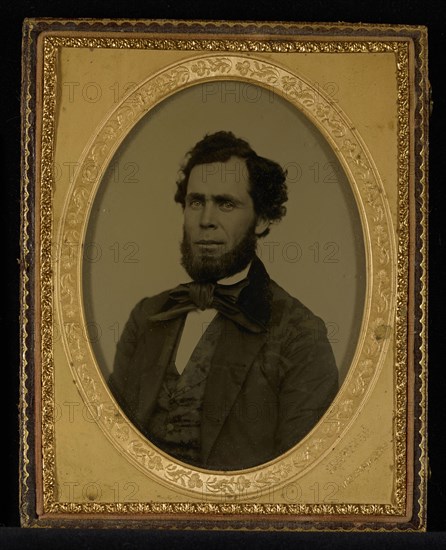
column 187, row 228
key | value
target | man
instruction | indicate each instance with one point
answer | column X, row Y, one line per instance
column 228, row 371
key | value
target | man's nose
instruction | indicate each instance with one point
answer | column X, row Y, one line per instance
column 208, row 215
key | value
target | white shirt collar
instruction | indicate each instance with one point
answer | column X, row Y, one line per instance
column 233, row 279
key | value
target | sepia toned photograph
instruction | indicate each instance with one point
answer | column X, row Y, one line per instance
column 226, row 281
column 255, row 232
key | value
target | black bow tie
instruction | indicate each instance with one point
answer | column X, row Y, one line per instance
column 223, row 298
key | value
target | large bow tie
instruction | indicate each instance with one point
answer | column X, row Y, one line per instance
column 223, row 298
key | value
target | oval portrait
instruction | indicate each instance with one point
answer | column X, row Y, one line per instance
column 224, row 275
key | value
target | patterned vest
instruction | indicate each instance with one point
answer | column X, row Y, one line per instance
column 175, row 423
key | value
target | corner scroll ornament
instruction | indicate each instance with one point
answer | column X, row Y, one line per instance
column 378, row 319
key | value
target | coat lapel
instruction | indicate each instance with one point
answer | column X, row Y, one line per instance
column 236, row 350
column 160, row 339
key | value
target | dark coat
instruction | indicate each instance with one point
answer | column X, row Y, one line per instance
column 265, row 391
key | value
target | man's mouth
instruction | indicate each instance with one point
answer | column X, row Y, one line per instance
column 209, row 246
column 207, row 242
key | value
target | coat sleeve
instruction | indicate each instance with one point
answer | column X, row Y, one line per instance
column 309, row 381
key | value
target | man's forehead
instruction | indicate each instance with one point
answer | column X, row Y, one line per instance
column 232, row 172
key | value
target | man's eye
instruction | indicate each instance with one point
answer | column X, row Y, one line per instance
column 195, row 204
column 227, row 206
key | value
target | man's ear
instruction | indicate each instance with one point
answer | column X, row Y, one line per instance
column 261, row 225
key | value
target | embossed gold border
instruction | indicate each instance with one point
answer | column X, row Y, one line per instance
column 379, row 244
column 382, row 241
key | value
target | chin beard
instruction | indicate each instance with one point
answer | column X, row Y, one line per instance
column 207, row 268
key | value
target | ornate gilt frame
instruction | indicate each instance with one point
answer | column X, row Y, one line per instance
column 394, row 316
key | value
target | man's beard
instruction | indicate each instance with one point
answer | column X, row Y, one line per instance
column 209, row 268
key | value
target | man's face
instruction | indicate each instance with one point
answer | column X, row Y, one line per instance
column 219, row 219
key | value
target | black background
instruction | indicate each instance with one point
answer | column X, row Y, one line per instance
column 429, row 13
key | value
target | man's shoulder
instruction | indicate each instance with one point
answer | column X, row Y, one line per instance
column 150, row 305
column 285, row 310
column 286, row 306
column 281, row 297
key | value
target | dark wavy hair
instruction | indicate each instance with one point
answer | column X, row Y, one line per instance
column 268, row 189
